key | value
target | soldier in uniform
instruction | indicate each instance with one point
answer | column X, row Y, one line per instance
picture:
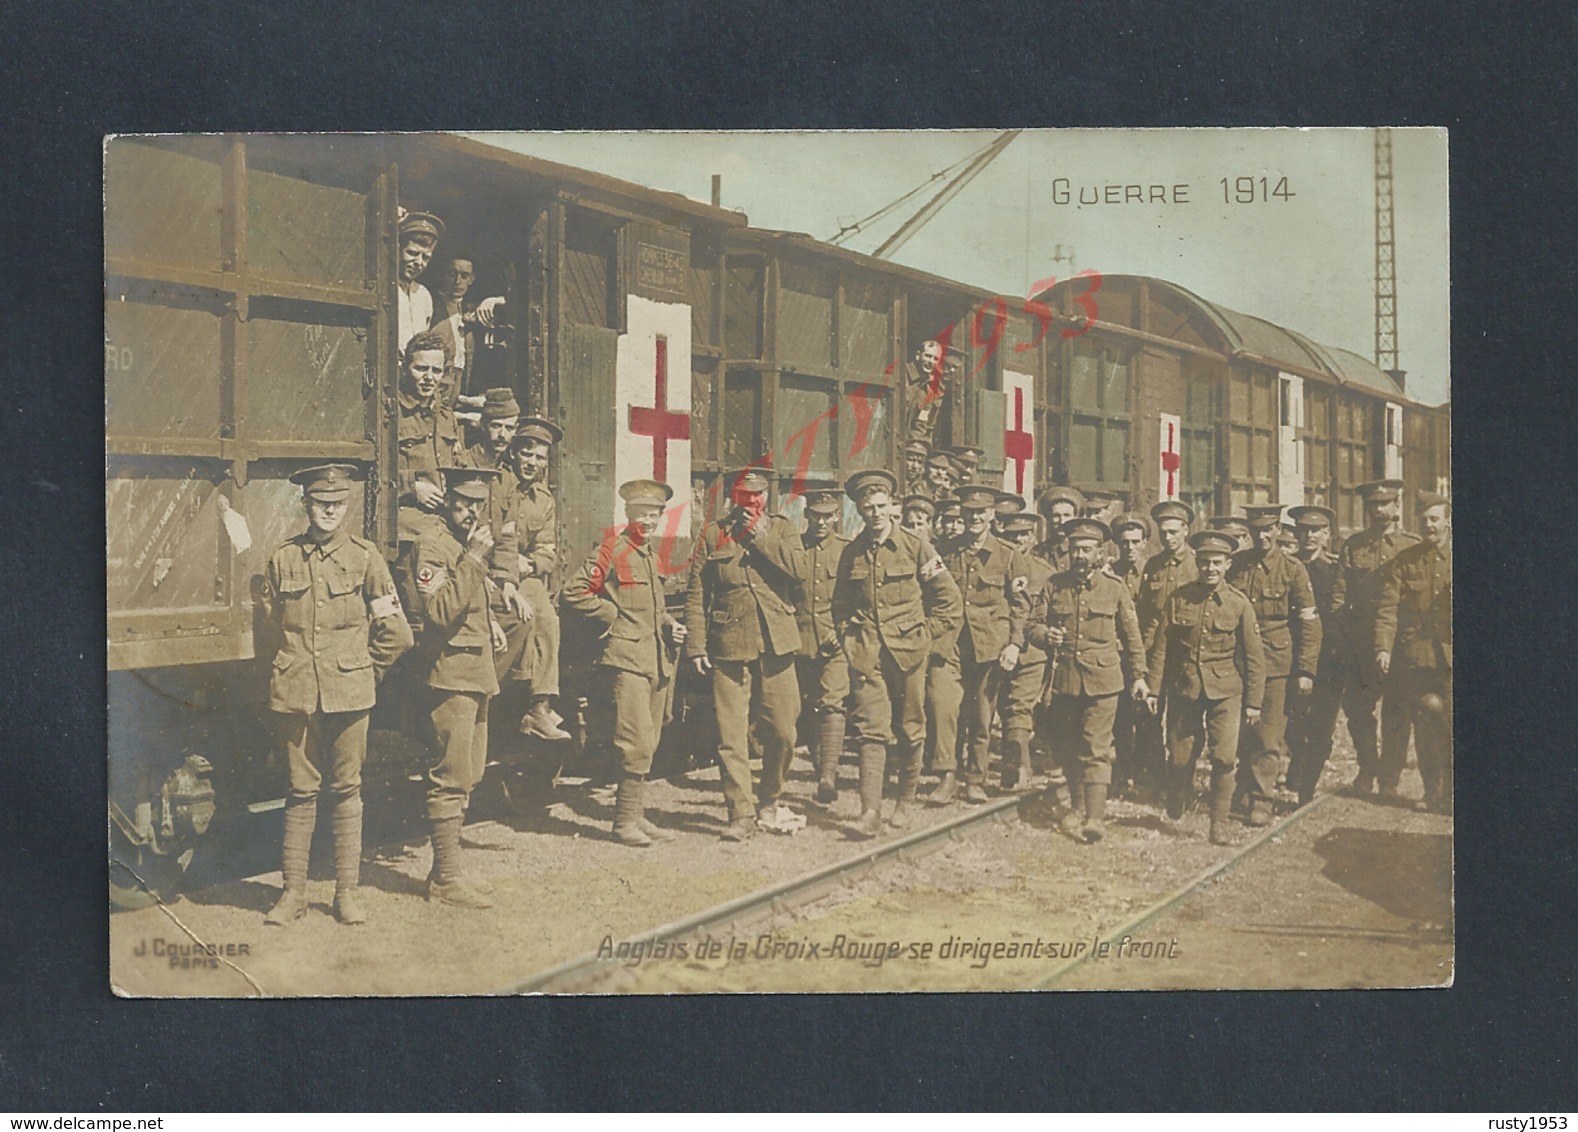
column 942, row 474
column 1057, row 506
column 1234, row 527
column 918, row 513
column 1312, row 722
column 740, row 613
column 968, row 458
column 1084, row 619
column 1413, row 646
column 1006, row 506
column 1278, row 588
column 1019, row 702
column 428, row 435
column 336, row 624
column 822, row 670
column 926, row 382
column 916, row 452
column 620, row 589
column 534, row 519
column 1205, row 656
column 454, row 664
column 950, row 519
column 1170, row 567
column 894, row 603
column 994, row 581
column 1131, row 533
column 419, row 236
column 1361, row 581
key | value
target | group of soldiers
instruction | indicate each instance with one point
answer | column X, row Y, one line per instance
column 953, row 613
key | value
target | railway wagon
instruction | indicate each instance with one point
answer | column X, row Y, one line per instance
column 250, row 331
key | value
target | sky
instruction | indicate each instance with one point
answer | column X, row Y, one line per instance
column 1303, row 258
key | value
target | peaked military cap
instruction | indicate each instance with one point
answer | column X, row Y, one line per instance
column 327, row 482
column 1086, row 527
column 968, row 455
column 646, row 491
column 860, row 483
column 823, row 502
column 1098, row 497
column 1172, row 509
column 1312, row 516
column 1020, row 523
column 948, row 505
column 469, row 483
column 920, row 503
column 1260, row 517
column 1214, row 541
column 1132, row 519
column 1008, row 504
column 1380, row 491
column 1055, row 494
column 1221, row 522
column 539, row 430
column 940, row 456
column 750, row 477
column 499, row 404
column 977, row 497
column 917, row 446
column 421, row 224
column 1429, row 499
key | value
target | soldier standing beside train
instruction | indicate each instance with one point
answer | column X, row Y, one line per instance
column 1131, row 533
column 822, row 668
column 1166, row 570
column 1023, row 694
column 1312, row 723
column 620, row 589
column 336, row 624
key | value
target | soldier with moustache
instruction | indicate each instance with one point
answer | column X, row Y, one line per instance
column 453, row 663
column 822, row 669
column 1205, row 656
column 1084, row 618
column 993, row 580
column 1312, row 723
column 1018, row 703
column 331, row 614
column 1278, row 588
column 1413, row 646
column 1356, row 602
column 619, row 588
column 895, row 605
column 1131, row 534
column 744, row 634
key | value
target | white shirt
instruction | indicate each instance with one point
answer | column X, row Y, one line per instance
column 415, row 312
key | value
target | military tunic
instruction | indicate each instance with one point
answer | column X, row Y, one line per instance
column 1101, row 639
column 454, row 662
column 1311, row 724
column 1414, row 624
column 1206, row 656
column 993, row 580
column 1135, row 726
column 337, row 626
column 532, row 525
column 620, row 589
column 429, row 439
column 1356, row 600
column 895, row 605
column 823, row 668
column 740, row 614
column 1025, row 682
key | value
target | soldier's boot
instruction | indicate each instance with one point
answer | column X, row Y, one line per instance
column 348, row 860
column 945, row 790
column 1017, row 774
column 539, row 722
column 651, row 829
column 301, row 816
column 1179, row 780
column 1074, row 818
column 829, row 748
column 628, row 814
column 909, row 782
column 446, row 884
column 1095, row 811
column 873, row 771
column 1221, row 805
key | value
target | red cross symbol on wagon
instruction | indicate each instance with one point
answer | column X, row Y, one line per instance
column 1171, row 461
column 1019, row 443
column 657, row 420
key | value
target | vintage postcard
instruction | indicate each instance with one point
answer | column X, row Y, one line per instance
column 825, row 561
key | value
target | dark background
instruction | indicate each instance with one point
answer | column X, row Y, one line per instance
column 1500, row 79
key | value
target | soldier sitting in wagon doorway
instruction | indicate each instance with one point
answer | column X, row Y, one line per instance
column 534, row 516
column 419, row 236
column 462, row 324
column 336, row 626
column 428, row 435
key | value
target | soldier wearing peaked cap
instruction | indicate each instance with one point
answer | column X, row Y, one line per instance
column 994, row 582
column 918, row 513
column 1131, row 535
column 619, row 588
column 968, row 458
column 1413, row 646
column 916, row 452
column 532, row 526
column 1005, row 507
column 1057, row 506
column 942, row 474
column 1310, row 729
column 1165, row 571
column 1235, row 527
column 1205, row 655
column 428, row 436
column 500, row 416
column 1279, row 590
column 949, row 520
column 335, row 626
column 895, row 605
column 419, row 236
column 822, row 670
column 454, row 663
column 743, row 633
column 1085, row 620
column 1356, row 602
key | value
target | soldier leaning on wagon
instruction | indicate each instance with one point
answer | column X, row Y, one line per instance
column 1356, row 600
column 419, row 236
column 894, row 603
column 1018, row 702
column 454, row 665
column 428, row 435
column 994, row 582
column 1278, row 587
column 336, row 624
column 1413, row 646
column 620, row 588
column 1205, row 656
column 1311, row 723
column 1131, row 534
column 535, row 519
column 822, row 668
column 743, row 632
column 1084, row 619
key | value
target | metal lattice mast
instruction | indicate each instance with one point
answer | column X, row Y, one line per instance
column 1385, row 256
